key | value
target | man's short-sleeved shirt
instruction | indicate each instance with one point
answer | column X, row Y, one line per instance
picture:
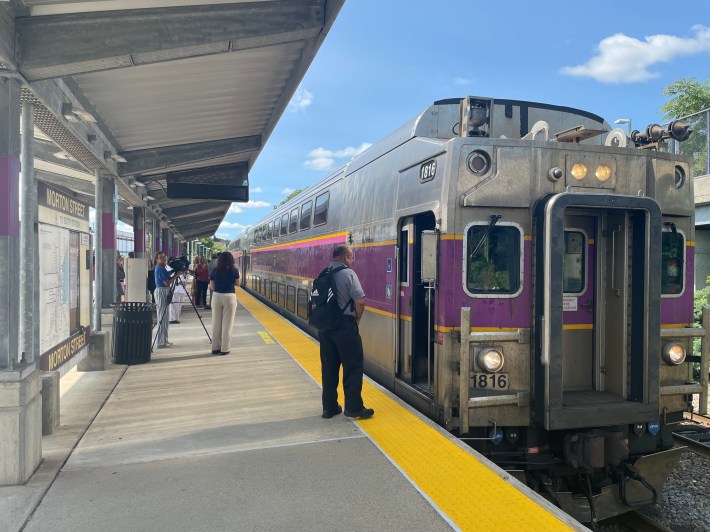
column 347, row 286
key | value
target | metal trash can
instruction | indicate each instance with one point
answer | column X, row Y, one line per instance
column 132, row 326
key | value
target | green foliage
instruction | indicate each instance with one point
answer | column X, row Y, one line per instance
column 690, row 96
column 700, row 300
column 289, row 197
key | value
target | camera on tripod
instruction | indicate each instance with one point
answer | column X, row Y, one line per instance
column 181, row 264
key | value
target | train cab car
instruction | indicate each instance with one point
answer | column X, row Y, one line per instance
column 529, row 285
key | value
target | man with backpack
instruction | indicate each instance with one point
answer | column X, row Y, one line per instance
column 337, row 304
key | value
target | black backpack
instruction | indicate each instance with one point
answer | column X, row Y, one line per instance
column 324, row 313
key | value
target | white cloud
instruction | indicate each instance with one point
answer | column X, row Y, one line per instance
column 301, row 99
column 231, row 225
column 256, row 190
column 287, row 191
column 223, row 236
column 237, row 208
column 623, row 59
column 321, row 159
column 461, row 81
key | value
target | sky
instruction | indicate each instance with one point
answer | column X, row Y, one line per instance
column 385, row 61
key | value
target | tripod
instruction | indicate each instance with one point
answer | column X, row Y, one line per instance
column 171, row 291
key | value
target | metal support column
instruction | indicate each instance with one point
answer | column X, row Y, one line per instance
column 29, row 252
column 20, row 384
column 107, row 240
column 139, row 232
column 157, row 237
column 98, row 250
column 165, row 239
column 9, row 221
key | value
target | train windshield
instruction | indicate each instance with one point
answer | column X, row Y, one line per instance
column 493, row 259
column 672, row 259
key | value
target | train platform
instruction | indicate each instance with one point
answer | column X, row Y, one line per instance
column 192, row 441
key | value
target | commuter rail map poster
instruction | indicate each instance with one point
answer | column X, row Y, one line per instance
column 55, row 286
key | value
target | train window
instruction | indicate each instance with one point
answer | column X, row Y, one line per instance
column 274, row 291
column 493, row 259
column 270, row 231
column 404, row 257
column 574, row 265
column 293, row 226
column 672, row 262
column 320, row 216
column 277, row 227
column 284, row 224
column 302, row 303
column 282, row 294
column 306, row 209
column 291, row 298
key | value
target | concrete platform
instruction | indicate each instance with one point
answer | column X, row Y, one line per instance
column 192, row 441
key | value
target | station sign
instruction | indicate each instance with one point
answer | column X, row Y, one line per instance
column 62, row 352
column 58, row 208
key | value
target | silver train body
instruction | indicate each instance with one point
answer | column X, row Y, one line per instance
column 529, row 282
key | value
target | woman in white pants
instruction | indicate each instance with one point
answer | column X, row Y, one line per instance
column 178, row 299
column 223, row 282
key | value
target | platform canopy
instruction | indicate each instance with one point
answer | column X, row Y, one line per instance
column 173, row 97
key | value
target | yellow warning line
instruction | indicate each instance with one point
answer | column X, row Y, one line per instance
column 470, row 494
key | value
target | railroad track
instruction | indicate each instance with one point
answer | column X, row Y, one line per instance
column 637, row 522
column 695, row 435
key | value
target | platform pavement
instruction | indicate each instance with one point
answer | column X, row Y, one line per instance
column 192, row 441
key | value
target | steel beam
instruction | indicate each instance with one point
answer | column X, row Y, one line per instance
column 197, row 224
column 49, row 47
column 150, row 160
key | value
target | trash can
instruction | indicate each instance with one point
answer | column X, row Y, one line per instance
column 132, row 326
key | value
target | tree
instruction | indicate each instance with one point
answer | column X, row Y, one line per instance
column 289, row 197
column 690, row 96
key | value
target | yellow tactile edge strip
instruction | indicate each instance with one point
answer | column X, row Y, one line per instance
column 464, row 489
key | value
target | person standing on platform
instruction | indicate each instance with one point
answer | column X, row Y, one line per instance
column 343, row 345
column 163, row 281
column 120, row 278
column 210, row 268
column 150, row 282
column 223, row 283
column 179, row 295
column 202, row 276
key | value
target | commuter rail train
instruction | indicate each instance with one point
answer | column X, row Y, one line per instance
column 529, row 285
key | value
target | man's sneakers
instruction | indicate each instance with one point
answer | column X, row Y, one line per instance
column 363, row 413
column 327, row 414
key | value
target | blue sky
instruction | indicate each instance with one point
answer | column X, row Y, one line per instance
column 385, row 61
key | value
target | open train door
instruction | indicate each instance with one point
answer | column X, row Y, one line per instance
column 597, row 310
column 415, row 305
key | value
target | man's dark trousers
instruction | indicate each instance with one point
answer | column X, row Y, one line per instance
column 342, row 346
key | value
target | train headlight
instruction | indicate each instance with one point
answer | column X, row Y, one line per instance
column 603, row 172
column 579, row 171
column 673, row 353
column 490, row 359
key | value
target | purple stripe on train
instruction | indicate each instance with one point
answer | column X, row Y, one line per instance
column 679, row 310
column 9, row 191
column 506, row 312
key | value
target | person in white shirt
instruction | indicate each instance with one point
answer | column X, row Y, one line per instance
column 178, row 299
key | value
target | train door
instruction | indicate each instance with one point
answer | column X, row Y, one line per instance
column 578, row 288
column 415, row 323
column 598, row 291
column 246, row 268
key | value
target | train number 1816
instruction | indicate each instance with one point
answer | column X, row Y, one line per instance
column 491, row 381
column 427, row 171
